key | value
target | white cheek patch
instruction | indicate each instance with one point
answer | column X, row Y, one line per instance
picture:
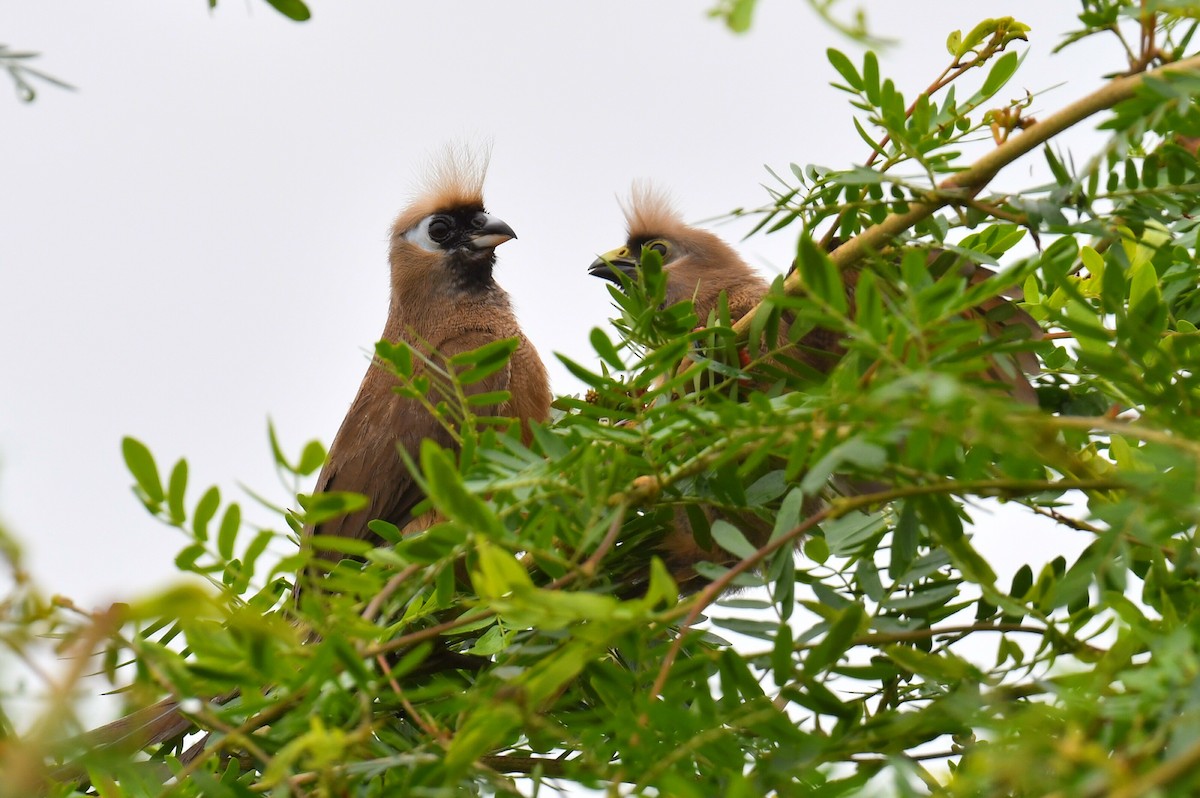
column 419, row 235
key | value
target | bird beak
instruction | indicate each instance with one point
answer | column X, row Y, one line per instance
column 607, row 265
column 493, row 233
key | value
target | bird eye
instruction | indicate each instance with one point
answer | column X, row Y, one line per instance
column 439, row 229
column 658, row 246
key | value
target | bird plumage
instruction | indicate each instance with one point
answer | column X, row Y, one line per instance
column 444, row 301
column 700, row 266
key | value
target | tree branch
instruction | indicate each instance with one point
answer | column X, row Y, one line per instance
column 970, row 181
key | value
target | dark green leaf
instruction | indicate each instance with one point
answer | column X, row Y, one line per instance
column 904, row 542
column 451, row 497
column 844, row 68
column 842, row 631
column 1000, row 73
column 292, row 9
column 604, row 347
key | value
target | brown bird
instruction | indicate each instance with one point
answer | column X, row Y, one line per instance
column 700, row 266
column 444, row 301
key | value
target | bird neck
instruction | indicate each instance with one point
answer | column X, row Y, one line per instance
column 462, row 288
column 470, row 276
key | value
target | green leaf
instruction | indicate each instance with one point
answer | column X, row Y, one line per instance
column 1000, row 73
column 976, row 35
column 398, row 355
column 945, row 667
column 821, row 699
column 312, row 458
column 485, row 361
column 433, row 545
column 868, row 307
column 953, row 42
column 485, row 730
column 322, row 507
column 1143, row 285
column 450, row 496
column 846, row 534
column 781, row 655
column 662, row 591
column 731, row 539
column 176, row 487
column 141, row 464
column 604, row 347
column 1077, row 581
column 842, row 631
column 186, row 559
column 738, row 14
column 870, row 457
column 355, row 547
column 819, row 274
column 870, row 74
column 276, row 449
column 766, row 489
column 250, row 557
column 227, row 533
column 904, row 542
column 788, row 517
column 488, row 399
column 844, row 68
column 206, row 508
column 498, row 573
column 292, row 9
column 816, row 549
column 352, row 661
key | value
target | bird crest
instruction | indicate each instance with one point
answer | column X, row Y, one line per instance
column 650, row 212
column 452, row 179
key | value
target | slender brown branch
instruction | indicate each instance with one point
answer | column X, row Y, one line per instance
column 991, row 487
column 508, row 763
column 948, row 76
column 1111, row 425
column 241, row 734
column 610, row 539
column 391, row 587
column 1162, row 776
column 970, row 181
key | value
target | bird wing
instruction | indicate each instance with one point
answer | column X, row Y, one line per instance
column 363, row 457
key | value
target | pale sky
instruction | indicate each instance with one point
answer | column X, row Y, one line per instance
column 195, row 239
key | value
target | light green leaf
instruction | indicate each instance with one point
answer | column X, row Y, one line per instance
column 227, row 532
column 731, row 539
column 141, row 464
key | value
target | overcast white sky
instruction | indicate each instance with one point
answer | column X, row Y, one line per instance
column 195, row 239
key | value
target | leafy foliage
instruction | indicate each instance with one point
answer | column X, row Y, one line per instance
column 539, row 634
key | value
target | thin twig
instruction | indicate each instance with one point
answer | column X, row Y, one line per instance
column 970, row 181
column 837, row 509
column 391, row 587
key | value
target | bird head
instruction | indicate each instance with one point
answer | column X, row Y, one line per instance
column 445, row 234
column 693, row 259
